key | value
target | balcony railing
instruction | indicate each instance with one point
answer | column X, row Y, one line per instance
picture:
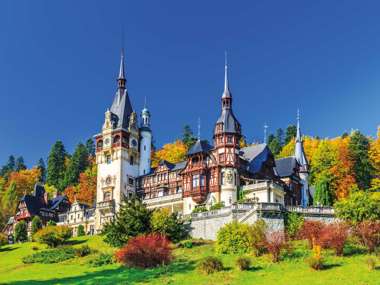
column 163, row 199
column 261, row 185
column 311, row 210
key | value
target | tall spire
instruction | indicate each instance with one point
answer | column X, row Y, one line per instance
column 226, row 92
column 199, row 128
column 265, row 132
column 299, row 152
column 121, row 78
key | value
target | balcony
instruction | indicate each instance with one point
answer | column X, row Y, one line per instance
column 163, row 200
column 106, row 206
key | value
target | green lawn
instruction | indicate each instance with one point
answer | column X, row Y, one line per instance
column 292, row 270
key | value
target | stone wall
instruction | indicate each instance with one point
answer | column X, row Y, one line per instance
column 206, row 225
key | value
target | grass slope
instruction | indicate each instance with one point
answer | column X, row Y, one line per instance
column 292, row 270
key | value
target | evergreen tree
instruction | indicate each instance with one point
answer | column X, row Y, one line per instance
column 323, row 195
column 290, row 133
column 41, row 166
column 21, row 232
column 36, row 224
column 20, row 165
column 10, row 198
column 56, row 166
column 133, row 219
column 274, row 144
column 359, row 154
column 81, row 231
column 188, row 137
column 90, row 146
column 280, row 136
column 77, row 164
column 8, row 167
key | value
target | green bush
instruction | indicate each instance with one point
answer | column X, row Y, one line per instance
column 83, row 251
column 186, row 244
column 200, row 209
column 36, row 224
column 234, row 238
column 168, row 224
column 257, row 234
column 315, row 263
column 51, row 256
column 3, row 239
column 210, row 265
column 217, row 206
column 53, row 235
column 243, row 263
column 293, row 223
column 81, row 231
column 51, row 223
column 21, row 232
column 101, row 259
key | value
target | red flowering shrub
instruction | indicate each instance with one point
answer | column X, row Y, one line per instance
column 275, row 243
column 310, row 230
column 145, row 251
column 368, row 233
column 334, row 236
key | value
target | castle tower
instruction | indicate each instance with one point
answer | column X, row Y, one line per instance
column 227, row 134
column 300, row 156
column 117, row 154
column 145, row 142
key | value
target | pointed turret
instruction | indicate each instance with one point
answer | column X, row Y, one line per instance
column 299, row 152
column 227, row 121
column 121, row 106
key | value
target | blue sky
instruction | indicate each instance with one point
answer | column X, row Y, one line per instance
column 59, row 61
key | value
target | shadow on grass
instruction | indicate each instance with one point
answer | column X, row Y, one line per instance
column 118, row 275
column 331, row 265
column 2, row 249
column 351, row 250
column 75, row 242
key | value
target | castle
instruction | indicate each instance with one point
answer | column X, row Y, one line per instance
column 221, row 173
column 243, row 181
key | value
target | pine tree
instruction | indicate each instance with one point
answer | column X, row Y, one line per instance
column 133, row 219
column 8, row 167
column 77, row 164
column 359, row 154
column 274, row 144
column 41, row 166
column 21, row 232
column 81, row 231
column 36, row 224
column 56, row 166
column 188, row 137
column 90, row 146
column 20, row 165
column 290, row 133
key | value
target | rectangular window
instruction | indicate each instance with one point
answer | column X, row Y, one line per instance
column 229, row 139
column 195, row 180
column 202, row 180
column 108, row 159
column 130, row 181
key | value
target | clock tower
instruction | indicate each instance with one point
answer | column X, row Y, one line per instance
column 117, row 154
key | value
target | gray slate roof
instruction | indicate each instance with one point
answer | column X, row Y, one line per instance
column 285, row 166
column 255, row 155
column 122, row 108
column 230, row 123
column 199, row 146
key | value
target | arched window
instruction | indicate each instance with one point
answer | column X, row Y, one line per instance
column 99, row 144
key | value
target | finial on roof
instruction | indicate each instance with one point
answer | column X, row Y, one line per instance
column 265, row 132
column 298, row 136
column 226, row 92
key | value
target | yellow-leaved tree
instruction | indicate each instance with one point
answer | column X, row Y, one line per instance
column 171, row 152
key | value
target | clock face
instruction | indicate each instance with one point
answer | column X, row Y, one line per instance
column 107, row 141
